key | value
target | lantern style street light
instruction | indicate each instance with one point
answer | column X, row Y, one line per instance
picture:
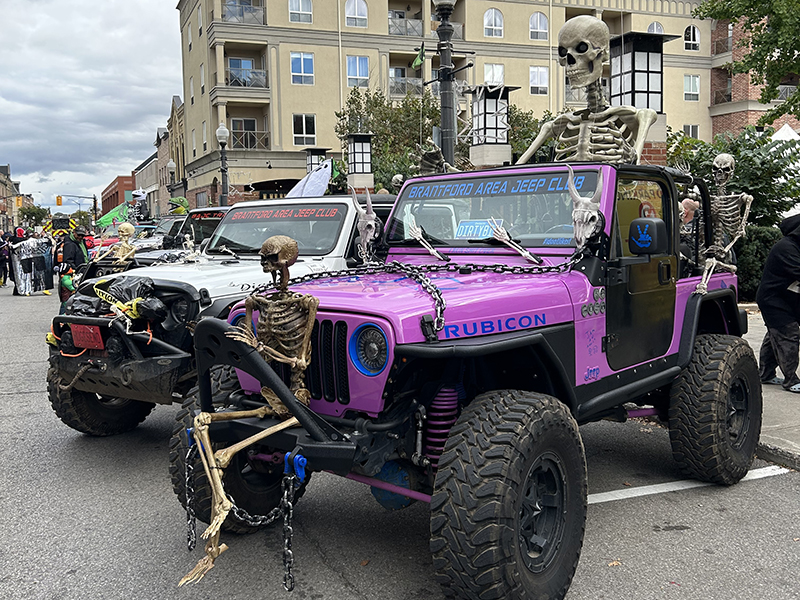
column 171, row 166
column 222, row 134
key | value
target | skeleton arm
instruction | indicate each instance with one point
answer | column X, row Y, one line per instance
column 545, row 133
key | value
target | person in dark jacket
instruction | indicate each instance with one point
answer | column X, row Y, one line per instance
column 75, row 253
column 778, row 298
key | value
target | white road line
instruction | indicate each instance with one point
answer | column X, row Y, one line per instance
column 675, row 486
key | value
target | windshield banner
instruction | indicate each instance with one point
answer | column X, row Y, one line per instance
column 290, row 213
column 541, row 183
column 211, row 214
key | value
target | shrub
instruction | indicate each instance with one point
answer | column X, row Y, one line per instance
column 752, row 252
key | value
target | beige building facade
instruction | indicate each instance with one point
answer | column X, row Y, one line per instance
column 276, row 72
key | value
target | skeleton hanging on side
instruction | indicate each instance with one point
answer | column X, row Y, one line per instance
column 613, row 134
column 283, row 335
column 727, row 218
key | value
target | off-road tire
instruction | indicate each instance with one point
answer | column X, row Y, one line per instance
column 256, row 493
column 505, row 450
column 715, row 410
column 92, row 414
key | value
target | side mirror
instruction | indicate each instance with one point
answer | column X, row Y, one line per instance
column 648, row 236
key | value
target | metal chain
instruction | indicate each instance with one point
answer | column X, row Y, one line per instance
column 418, row 274
column 191, row 519
column 288, row 557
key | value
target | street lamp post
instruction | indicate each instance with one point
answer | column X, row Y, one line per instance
column 444, row 8
column 222, row 137
column 171, row 168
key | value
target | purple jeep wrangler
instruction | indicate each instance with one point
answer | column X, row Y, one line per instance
column 457, row 373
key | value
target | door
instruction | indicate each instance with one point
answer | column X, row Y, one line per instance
column 641, row 297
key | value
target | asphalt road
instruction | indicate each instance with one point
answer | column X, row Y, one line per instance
column 85, row 518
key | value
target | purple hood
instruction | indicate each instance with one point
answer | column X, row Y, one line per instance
column 513, row 304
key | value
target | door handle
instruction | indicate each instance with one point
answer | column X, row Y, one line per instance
column 664, row 272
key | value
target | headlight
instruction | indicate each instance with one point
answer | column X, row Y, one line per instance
column 369, row 349
column 180, row 310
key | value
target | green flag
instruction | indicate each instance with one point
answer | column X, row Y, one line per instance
column 420, row 59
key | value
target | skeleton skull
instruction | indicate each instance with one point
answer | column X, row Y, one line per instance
column 126, row 230
column 583, row 45
column 722, row 168
column 278, row 253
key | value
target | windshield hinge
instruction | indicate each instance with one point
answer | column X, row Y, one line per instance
column 428, row 328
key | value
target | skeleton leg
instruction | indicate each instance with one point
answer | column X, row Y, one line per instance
column 220, row 505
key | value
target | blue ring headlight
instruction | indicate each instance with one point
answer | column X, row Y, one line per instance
column 239, row 319
column 369, row 349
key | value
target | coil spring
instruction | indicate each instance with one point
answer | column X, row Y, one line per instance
column 442, row 415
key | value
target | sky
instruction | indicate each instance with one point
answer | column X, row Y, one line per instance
column 84, row 85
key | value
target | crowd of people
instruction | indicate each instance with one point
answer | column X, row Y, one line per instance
column 36, row 262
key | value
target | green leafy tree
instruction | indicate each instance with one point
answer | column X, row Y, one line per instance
column 752, row 251
column 523, row 129
column 83, row 217
column 772, row 46
column 767, row 169
column 34, row 215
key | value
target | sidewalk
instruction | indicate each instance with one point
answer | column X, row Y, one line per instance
column 780, row 429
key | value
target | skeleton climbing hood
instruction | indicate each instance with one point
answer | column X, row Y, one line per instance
column 583, row 46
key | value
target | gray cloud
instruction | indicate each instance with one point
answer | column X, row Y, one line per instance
column 83, row 88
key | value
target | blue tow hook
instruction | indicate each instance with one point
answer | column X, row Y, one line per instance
column 296, row 464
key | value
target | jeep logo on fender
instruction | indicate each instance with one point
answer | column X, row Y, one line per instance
column 493, row 326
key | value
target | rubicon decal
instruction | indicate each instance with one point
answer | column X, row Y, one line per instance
column 471, row 328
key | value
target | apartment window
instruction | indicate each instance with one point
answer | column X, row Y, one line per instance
column 539, row 79
column 300, row 11
column 691, row 88
column 243, row 133
column 538, row 26
column 202, row 199
column 205, row 138
column 191, row 90
column 655, row 27
column 199, row 21
column 358, row 71
column 493, row 23
column 202, row 80
column 493, row 74
column 355, row 13
column 240, row 71
column 691, row 38
column 692, row 131
column 194, row 144
column 189, row 33
column 302, row 68
column 304, row 128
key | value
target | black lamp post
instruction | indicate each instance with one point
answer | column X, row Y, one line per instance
column 222, row 137
column 444, row 8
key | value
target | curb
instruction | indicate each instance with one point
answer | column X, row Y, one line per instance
column 777, row 455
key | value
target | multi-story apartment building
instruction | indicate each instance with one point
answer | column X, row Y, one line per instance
column 275, row 72
column 117, row 192
column 11, row 200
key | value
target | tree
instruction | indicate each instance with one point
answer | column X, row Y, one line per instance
column 523, row 129
column 83, row 217
column 767, row 169
column 34, row 215
column 773, row 45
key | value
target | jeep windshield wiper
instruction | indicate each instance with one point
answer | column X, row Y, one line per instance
column 224, row 248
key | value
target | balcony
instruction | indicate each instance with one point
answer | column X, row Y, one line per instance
column 722, row 46
column 402, row 86
column 250, row 13
column 784, row 91
column 255, row 78
column 458, row 29
column 720, row 97
column 407, row 27
column 249, row 140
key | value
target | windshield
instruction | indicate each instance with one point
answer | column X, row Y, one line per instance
column 535, row 208
column 316, row 227
column 164, row 226
column 201, row 225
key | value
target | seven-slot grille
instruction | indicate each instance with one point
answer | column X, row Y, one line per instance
column 326, row 377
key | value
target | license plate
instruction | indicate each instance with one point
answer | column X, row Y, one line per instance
column 87, row 336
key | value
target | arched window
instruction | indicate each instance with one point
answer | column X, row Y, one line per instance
column 655, row 27
column 538, row 26
column 691, row 38
column 355, row 13
column 493, row 23
column 300, row 11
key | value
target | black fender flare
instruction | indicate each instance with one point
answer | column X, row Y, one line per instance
column 735, row 319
